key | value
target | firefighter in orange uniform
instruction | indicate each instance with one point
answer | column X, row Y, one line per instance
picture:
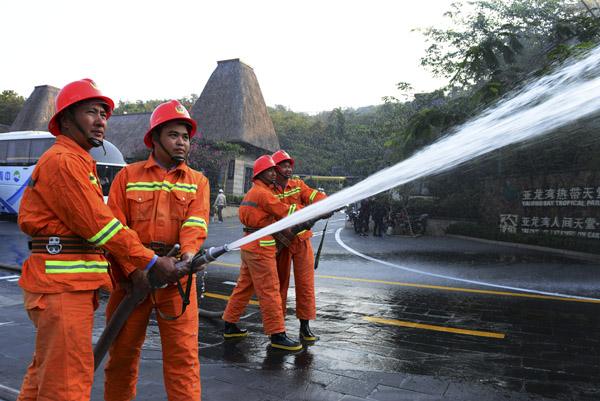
column 165, row 202
column 295, row 191
column 258, row 271
column 64, row 212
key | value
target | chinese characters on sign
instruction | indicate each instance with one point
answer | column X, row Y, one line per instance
column 583, row 227
column 571, row 221
column 553, row 197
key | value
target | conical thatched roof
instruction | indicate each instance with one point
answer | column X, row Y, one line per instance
column 127, row 132
column 37, row 110
column 231, row 108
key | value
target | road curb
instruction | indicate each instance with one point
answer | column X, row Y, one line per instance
column 589, row 257
column 8, row 394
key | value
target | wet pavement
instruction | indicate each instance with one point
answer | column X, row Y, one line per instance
column 428, row 318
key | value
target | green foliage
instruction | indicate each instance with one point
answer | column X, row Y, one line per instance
column 339, row 142
column 504, row 40
column 147, row 106
column 10, row 105
column 211, row 159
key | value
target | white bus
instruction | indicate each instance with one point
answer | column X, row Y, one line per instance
column 21, row 150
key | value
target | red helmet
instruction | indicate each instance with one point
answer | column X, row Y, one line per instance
column 75, row 92
column 261, row 164
column 169, row 111
column 281, row 156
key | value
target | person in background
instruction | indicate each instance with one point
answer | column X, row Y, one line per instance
column 294, row 191
column 258, row 272
column 220, row 203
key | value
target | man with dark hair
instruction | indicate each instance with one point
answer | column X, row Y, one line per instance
column 294, row 191
column 258, row 272
column 70, row 227
column 166, row 203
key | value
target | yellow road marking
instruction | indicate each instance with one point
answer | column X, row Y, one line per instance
column 460, row 289
column 434, row 328
column 225, row 264
column 441, row 287
column 224, row 297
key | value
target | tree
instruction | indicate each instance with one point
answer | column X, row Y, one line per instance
column 10, row 105
column 211, row 158
column 505, row 40
column 147, row 106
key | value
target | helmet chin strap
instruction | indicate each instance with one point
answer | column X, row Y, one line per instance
column 176, row 159
column 287, row 177
column 95, row 142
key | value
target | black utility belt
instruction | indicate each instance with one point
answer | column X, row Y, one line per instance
column 160, row 248
column 250, row 229
column 55, row 244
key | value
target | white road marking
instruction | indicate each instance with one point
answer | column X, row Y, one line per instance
column 230, row 283
column 12, row 280
column 462, row 280
column 9, row 277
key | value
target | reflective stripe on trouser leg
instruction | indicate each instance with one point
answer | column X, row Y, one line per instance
column 63, row 362
column 179, row 339
column 121, row 370
column 304, row 279
column 284, row 262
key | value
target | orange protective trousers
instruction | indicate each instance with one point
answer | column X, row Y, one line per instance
column 63, row 362
column 300, row 252
column 179, row 340
column 258, row 272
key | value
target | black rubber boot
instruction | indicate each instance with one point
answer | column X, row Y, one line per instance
column 305, row 333
column 232, row 331
column 282, row 341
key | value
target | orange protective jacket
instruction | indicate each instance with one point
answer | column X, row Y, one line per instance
column 64, row 198
column 260, row 208
column 162, row 206
column 298, row 193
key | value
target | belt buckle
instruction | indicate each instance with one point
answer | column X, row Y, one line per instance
column 53, row 246
column 159, row 247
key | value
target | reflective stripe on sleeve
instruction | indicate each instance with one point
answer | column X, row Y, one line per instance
column 75, row 266
column 109, row 231
column 194, row 221
column 302, row 232
column 291, row 192
column 312, row 195
column 248, row 203
column 292, row 208
column 267, row 242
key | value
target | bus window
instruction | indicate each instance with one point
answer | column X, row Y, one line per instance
column 18, row 152
column 107, row 175
column 38, row 147
column 3, row 152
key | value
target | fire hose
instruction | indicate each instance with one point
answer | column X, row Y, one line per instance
column 135, row 296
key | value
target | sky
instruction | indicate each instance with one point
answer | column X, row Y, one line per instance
column 309, row 56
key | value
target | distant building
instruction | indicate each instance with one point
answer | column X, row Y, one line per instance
column 37, row 110
column 231, row 109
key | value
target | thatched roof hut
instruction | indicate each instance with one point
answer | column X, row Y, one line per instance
column 231, row 108
column 37, row 110
column 127, row 132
